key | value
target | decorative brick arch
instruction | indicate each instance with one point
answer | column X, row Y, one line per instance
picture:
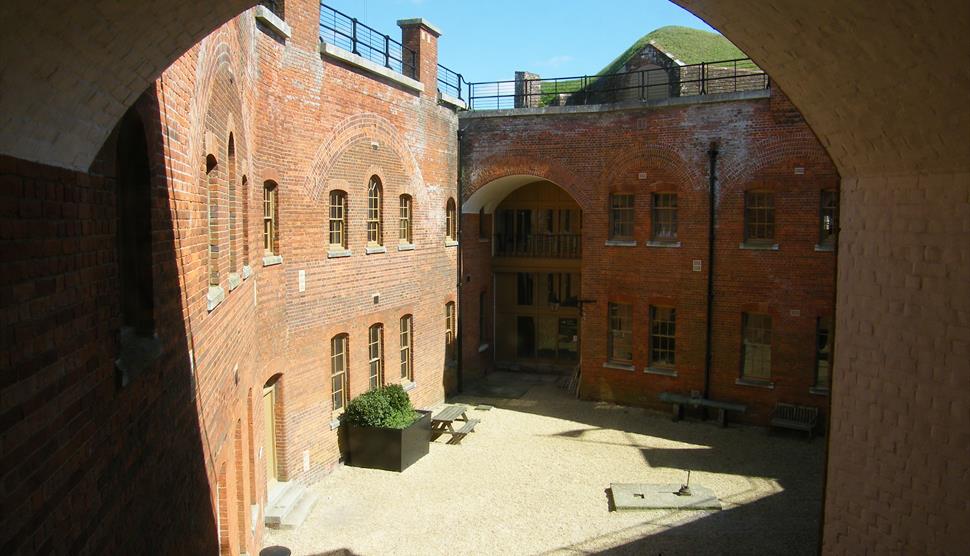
column 664, row 161
column 350, row 131
column 502, row 166
column 774, row 153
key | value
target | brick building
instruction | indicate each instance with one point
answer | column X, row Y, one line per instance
column 282, row 246
column 637, row 180
column 127, row 426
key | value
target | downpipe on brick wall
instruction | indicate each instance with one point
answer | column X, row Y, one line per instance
column 459, row 309
column 712, row 201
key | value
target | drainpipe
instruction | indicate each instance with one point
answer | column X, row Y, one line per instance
column 708, row 356
column 460, row 309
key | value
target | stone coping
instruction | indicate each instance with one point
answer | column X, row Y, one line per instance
column 334, row 51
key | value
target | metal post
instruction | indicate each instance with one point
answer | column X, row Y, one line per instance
column 387, row 51
column 353, row 32
column 459, row 86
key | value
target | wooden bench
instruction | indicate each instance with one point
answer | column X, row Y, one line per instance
column 795, row 417
column 679, row 401
column 468, row 427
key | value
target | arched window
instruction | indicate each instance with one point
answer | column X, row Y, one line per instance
column 338, row 371
column 451, row 221
column 374, row 212
column 278, row 7
column 375, row 355
column 213, row 223
column 338, row 220
column 405, row 219
column 245, row 220
column 407, row 370
column 450, row 352
column 233, row 225
column 270, row 216
column 134, row 246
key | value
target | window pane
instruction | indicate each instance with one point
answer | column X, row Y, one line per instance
column 338, row 213
column 525, row 287
column 828, row 217
column 404, row 219
column 823, row 352
column 756, row 346
column 759, row 216
column 621, row 216
column 662, row 336
column 664, row 216
column 621, row 333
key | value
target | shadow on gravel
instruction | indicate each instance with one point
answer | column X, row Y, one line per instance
column 786, row 522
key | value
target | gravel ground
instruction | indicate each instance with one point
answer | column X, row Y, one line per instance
column 534, row 479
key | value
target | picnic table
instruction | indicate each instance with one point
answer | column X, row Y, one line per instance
column 444, row 423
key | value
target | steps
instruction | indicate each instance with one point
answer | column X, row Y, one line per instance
column 289, row 505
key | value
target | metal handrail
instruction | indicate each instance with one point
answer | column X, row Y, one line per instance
column 676, row 81
column 556, row 246
column 450, row 82
column 339, row 29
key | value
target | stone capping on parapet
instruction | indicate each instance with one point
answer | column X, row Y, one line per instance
column 334, row 51
column 265, row 16
column 422, row 22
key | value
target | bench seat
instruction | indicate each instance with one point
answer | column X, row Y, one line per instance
column 459, row 434
column 795, row 417
column 722, row 407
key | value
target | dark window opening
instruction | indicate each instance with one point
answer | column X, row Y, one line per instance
column 135, row 227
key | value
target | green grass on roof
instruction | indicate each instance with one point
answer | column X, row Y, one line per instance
column 690, row 46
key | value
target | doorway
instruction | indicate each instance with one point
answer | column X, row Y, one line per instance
column 269, row 430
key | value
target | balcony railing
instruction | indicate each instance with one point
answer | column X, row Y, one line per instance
column 341, row 30
column 450, row 82
column 676, row 81
column 553, row 246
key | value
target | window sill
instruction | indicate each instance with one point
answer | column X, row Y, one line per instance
column 214, row 297
column 823, row 248
column 408, row 386
column 655, row 243
column 818, row 391
column 621, row 243
column 375, row 250
column 619, row 366
column 138, row 354
column 451, row 243
column 758, row 246
column 335, row 423
column 234, row 281
column 483, row 240
column 271, row 260
column 273, row 21
column 660, row 371
column 339, row 254
column 247, row 271
column 405, row 247
column 755, row 383
column 483, row 348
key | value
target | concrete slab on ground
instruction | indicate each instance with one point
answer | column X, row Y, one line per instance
column 640, row 496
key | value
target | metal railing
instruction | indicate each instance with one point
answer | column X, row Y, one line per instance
column 341, row 30
column 656, row 83
column 449, row 82
column 553, row 246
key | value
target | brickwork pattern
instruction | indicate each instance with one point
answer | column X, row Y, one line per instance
column 761, row 143
column 81, row 455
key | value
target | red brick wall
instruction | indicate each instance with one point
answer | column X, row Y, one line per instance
column 82, row 457
column 761, row 142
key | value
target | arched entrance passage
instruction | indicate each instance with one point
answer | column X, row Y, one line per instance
column 271, row 429
column 535, row 272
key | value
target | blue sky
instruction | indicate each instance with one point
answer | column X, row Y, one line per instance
column 488, row 40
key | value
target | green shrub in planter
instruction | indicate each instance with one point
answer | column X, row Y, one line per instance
column 386, row 407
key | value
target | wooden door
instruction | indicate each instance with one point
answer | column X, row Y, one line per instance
column 269, row 430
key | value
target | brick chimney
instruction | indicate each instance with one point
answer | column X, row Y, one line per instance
column 421, row 36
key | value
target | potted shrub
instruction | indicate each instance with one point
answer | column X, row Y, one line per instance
column 385, row 431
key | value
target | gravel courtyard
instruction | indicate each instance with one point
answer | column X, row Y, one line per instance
column 534, row 479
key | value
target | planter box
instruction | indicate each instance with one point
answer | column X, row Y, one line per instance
column 390, row 449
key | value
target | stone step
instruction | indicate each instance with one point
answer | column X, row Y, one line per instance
column 285, row 500
column 295, row 517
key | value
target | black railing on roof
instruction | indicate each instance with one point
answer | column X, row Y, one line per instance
column 450, row 82
column 678, row 81
column 341, row 30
